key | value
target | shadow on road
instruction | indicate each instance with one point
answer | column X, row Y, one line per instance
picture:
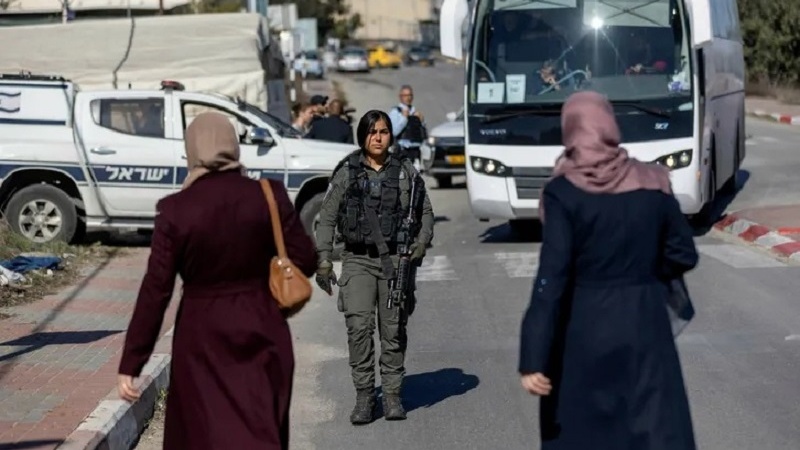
column 117, row 239
column 39, row 443
column 424, row 390
column 713, row 213
column 39, row 340
column 520, row 231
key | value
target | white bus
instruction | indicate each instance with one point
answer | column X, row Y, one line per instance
column 673, row 70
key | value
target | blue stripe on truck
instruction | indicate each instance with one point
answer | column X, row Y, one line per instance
column 150, row 176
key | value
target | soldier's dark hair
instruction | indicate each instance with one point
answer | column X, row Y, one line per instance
column 368, row 122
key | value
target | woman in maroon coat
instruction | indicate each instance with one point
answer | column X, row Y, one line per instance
column 232, row 362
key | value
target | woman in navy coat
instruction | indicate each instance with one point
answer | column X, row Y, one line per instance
column 232, row 360
column 596, row 340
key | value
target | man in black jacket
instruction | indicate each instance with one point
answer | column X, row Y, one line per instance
column 333, row 128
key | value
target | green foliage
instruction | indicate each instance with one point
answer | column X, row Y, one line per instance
column 217, row 6
column 333, row 16
column 771, row 30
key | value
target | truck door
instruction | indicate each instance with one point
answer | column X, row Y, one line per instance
column 262, row 161
column 122, row 137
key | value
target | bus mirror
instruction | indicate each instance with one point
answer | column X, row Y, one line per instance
column 702, row 30
column 451, row 18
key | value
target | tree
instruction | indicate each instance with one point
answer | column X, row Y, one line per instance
column 333, row 16
column 4, row 4
column 771, row 40
column 216, row 6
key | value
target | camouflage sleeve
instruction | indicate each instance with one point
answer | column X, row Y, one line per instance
column 327, row 215
column 426, row 221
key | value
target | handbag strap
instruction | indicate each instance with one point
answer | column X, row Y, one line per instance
column 277, row 230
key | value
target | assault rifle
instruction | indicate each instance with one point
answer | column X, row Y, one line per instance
column 400, row 287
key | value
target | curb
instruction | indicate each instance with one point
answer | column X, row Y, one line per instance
column 116, row 424
column 780, row 118
column 761, row 236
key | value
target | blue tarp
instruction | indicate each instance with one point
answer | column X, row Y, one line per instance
column 22, row 264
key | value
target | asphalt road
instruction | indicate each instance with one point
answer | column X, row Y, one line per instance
column 740, row 355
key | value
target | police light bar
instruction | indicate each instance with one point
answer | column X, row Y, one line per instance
column 171, row 84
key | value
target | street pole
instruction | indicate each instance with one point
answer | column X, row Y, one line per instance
column 303, row 62
column 292, row 74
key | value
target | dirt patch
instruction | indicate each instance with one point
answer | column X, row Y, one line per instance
column 40, row 283
column 783, row 93
column 153, row 434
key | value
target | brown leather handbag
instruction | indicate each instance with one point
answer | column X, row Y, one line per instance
column 288, row 284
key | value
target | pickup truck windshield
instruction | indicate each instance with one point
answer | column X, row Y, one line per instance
column 284, row 129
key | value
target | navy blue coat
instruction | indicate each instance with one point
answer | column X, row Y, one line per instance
column 597, row 323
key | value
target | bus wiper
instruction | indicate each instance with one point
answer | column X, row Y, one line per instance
column 490, row 118
column 635, row 104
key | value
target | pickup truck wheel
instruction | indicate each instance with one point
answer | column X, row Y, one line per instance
column 309, row 216
column 43, row 213
column 444, row 181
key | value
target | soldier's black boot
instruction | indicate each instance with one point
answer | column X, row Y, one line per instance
column 364, row 411
column 393, row 408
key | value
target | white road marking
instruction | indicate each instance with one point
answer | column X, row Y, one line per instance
column 433, row 268
column 519, row 264
column 436, row 268
column 738, row 257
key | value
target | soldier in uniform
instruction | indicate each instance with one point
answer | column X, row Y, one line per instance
column 368, row 195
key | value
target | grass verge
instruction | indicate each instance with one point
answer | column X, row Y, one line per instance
column 789, row 95
column 152, row 436
column 40, row 283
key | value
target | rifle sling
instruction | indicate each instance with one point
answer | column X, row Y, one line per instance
column 380, row 242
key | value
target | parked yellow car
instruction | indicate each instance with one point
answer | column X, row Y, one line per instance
column 383, row 57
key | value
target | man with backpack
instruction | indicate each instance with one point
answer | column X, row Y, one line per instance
column 408, row 125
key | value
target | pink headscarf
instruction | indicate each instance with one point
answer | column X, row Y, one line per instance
column 592, row 159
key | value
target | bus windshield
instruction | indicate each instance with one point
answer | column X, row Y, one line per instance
column 541, row 51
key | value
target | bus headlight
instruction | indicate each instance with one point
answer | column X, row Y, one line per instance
column 488, row 166
column 677, row 160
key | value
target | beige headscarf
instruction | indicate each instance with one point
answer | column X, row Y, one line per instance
column 211, row 145
column 592, row 159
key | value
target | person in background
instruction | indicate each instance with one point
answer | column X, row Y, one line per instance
column 596, row 339
column 318, row 102
column 408, row 125
column 334, row 127
column 303, row 114
column 232, row 358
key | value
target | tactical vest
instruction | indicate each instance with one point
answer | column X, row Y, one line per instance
column 414, row 130
column 381, row 195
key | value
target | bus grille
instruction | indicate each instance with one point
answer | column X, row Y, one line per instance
column 530, row 181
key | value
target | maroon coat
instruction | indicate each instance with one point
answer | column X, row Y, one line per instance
column 232, row 361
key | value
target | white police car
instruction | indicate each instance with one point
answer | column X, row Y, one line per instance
column 443, row 153
column 74, row 161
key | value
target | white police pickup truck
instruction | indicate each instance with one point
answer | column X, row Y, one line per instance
column 74, row 161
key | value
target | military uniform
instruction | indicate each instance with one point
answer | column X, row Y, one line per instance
column 364, row 287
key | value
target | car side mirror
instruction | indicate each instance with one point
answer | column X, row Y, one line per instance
column 451, row 116
column 260, row 136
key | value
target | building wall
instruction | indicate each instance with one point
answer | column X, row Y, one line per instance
column 391, row 19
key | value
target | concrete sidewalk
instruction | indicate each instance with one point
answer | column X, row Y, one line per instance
column 59, row 358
